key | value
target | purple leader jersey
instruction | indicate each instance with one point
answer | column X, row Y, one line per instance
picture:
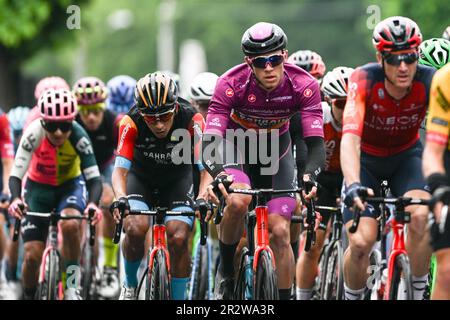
column 239, row 98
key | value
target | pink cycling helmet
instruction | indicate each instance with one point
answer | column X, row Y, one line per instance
column 90, row 90
column 49, row 83
column 57, row 105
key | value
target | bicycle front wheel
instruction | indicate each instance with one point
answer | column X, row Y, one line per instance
column 333, row 287
column 89, row 279
column 402, row 270
column 200, row 276
column 265, row 280
column 158, row 282
column 243, row 290
column 48, row 286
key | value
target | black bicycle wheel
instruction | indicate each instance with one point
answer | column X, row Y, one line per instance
column 200, row 273
column 158, row 284
column 48, row 287
column 374, row 280
column 334, row 278
column 88, row 274
column 265, row 280
column 402, row 270
column 242, row 283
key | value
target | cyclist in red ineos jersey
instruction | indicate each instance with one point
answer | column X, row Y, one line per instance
column 262, row 93
column 386, row 104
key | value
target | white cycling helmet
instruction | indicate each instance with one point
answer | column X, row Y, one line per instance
column 335, row 82
column 202, row 87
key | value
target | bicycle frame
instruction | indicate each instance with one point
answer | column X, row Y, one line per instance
column 398, row 247
column 262, row 235
column 159, row 242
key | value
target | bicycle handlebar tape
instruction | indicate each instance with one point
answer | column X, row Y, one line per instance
column 122, row 205
column 16, row 232
column 203, row 225
column 91, row 213
column 355, row 223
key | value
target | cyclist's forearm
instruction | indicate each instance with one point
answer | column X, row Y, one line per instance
column 433, row 159
column 205, row 180
column 15, row 187
column 211, row 153
column 119, row 182
column 350, row 158
column 316, row 155
column 95, row 189
column 7, row 166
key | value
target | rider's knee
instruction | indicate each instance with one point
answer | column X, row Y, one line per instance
column 178, row 239
column 419, row 222
column 280, row 236
column 360, row 247
column 238, row 205
column 32, row 258
column 70, row 227
column 135, row 232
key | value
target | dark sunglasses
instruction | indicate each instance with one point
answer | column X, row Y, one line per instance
column 53, row 126
column 163, row 117
column 396, row 59
column 261, row 62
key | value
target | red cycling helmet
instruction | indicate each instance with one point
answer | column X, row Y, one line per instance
column 57, row 105
column 396, row 33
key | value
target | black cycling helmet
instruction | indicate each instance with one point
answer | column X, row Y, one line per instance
column 156, row 93
column 262, row 38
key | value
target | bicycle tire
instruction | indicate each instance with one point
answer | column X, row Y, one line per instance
column 243, row 287
column 265, row 280
column 200, row 273
column 88, row 274
column 158, row 282
column 48, row 288
column 376, row 273
column 334, row 278
column 401, row 268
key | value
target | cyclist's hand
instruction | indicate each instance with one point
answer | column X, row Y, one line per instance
column 114, row 209
column 317, row 222
column 98, row 215
column 200, row 202
column 310, row 186
column 217, row 185
column 352, row 196
column 14, row 209
column 441, row 197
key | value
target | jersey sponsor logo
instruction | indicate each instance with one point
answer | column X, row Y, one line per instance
column 101, row 138
column 122, row 137
column 84, row 146
column 307, row 93
column 380, row 93
column 229, row 92
column 251, row 98
column 316, row 124
column 281, row 99
column 378, row 107
column 91, row 172
column 352, row 90
column 413, row 106
column 255, row 122
column 72, row 199
column 443, row 102
column 215, row 122
column 28, row 142
column 158, row 157
column 399, row 123
column 439, row 121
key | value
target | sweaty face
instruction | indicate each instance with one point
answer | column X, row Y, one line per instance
column 270, row 75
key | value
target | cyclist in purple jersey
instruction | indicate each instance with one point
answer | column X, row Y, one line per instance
column 262, row 93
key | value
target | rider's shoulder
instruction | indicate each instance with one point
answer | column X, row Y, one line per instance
column 424, row 73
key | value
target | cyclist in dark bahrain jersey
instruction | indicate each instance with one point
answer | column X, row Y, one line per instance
column 148, row 137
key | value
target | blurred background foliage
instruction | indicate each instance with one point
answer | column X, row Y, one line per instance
column 121, row 36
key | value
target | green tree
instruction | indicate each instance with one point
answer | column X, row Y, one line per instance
column 25, row 28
